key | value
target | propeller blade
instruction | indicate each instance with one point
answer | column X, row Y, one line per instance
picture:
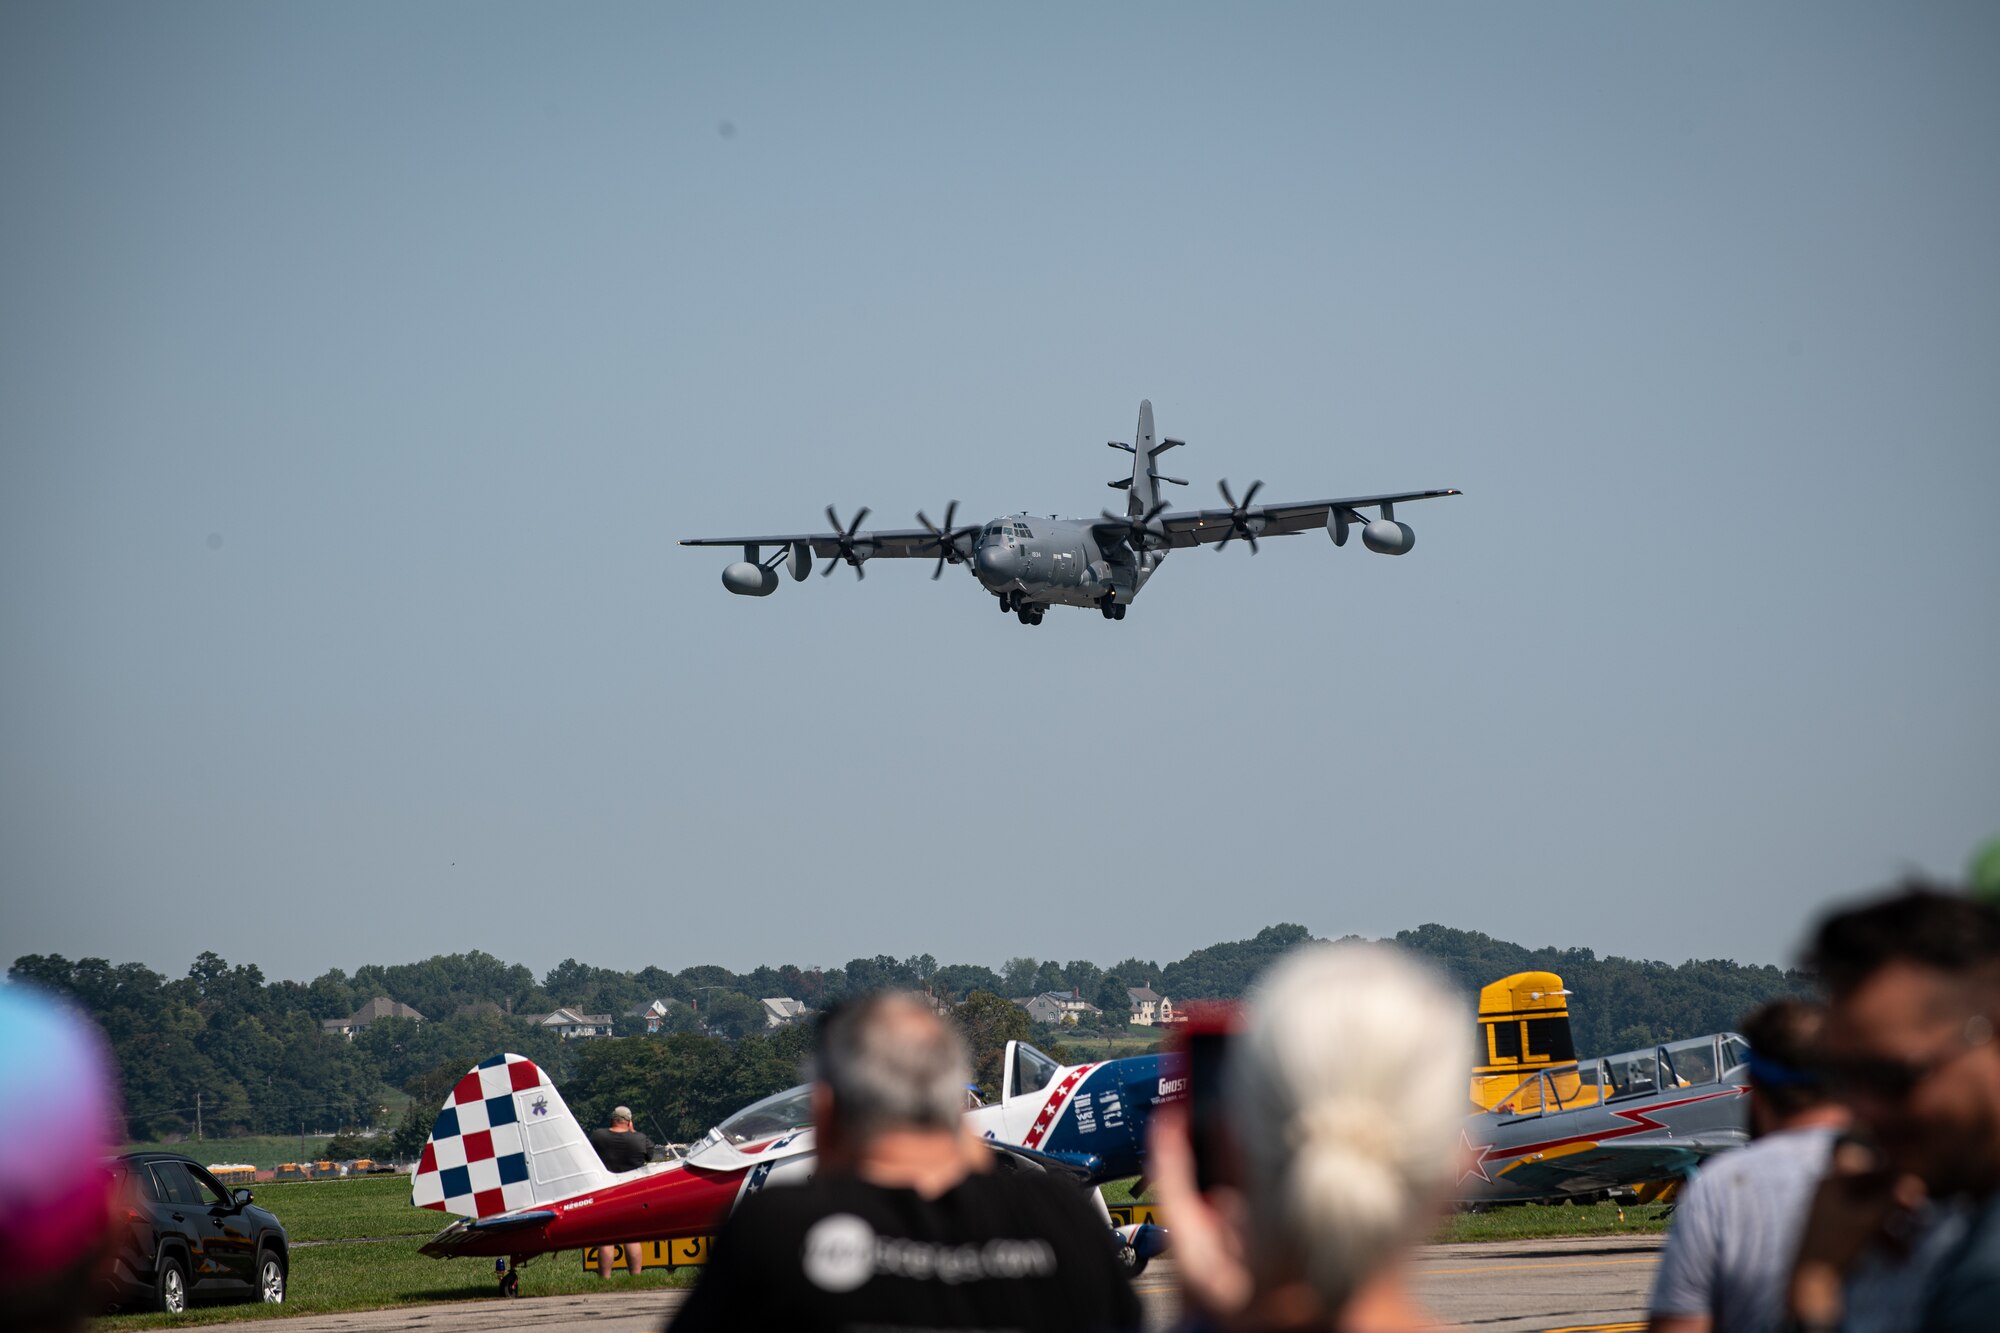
column 927, row 523
column 1227, row 498
column 1227, row 538
column 938, row 573
column 855, row 526
column 833, row 518
column 859, row 572
column 950, row 511
column 1250, row 496
column 1251, row 537
column 827, row 573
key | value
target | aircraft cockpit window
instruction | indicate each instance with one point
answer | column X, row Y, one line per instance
column 1032, row 1069
column 1634, row 1074
column 1735, row 1051
column 1024, row 531
column 787, row 1110
column 1691, row 1062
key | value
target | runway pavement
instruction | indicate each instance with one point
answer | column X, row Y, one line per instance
column 1504, row 1287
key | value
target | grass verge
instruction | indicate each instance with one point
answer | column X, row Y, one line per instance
column 332, row 1270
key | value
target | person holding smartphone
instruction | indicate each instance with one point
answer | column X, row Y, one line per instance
column 1330, row 1151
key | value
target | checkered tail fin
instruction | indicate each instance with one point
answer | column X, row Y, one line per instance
column 504, row 1141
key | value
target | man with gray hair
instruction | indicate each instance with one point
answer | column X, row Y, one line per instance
column 911, row 1221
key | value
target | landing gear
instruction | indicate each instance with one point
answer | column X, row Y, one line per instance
column 1112, row 609
column 1029, row 614
column 510, row 1276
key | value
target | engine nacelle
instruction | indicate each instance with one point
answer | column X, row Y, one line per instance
column 1385, row 536
column 750, row 580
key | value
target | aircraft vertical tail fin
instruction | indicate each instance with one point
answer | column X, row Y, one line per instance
column 1523, row 1028
column 1143, row 489
column 504, row 1141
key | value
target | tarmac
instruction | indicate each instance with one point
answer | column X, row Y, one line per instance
column 1595, row 1285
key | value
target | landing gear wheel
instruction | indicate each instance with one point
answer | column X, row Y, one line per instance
column 1121, row 612
column 510, row 1283
column 1129, row 1260
column 1024, row 615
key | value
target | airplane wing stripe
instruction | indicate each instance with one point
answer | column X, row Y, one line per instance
column 1639, row 1121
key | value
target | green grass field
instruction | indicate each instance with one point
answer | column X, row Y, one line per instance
column 355, row 1248
column 262, row 1150
column 383, row 1270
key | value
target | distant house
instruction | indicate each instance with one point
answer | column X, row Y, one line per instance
column 379, row 1007
column 782, row 1009
column 1149, row 1007
column 567, row 1023
column 1059, row 1007
column 653, row 1013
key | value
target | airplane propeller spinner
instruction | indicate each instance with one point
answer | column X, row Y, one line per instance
column 1241, row 522
column 852, row 551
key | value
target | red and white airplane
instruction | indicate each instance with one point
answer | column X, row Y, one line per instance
column 507, row 1155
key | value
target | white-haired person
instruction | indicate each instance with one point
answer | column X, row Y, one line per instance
column 1343, row 1101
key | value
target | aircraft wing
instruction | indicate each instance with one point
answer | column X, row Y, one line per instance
column 1198, row 527
column 1614, row 1164
column 910, row 543
column 879, row 544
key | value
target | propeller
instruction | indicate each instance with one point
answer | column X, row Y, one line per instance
column 947, row 540
column 851, row 551
column 1241, row 524
column 1139, row 529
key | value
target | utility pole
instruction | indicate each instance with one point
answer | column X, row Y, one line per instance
column 197, row 1116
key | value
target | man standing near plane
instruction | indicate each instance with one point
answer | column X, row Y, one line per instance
column 1737, row 1229
column 621, row 1148
column 908, row 1225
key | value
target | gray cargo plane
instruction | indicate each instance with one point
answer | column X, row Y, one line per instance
column 1033, row 563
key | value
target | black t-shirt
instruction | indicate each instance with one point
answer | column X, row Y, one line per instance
column 621, row 1152
column 995, row 1252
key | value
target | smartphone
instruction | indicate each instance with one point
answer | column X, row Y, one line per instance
column 1204, row 1042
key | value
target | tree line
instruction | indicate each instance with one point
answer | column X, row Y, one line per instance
column 249, row 1055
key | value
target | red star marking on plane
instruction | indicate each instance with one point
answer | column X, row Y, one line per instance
column 1472, row 1158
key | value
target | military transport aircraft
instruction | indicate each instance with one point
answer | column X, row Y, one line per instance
column 1552, row 1127
column 1032, row 563
column 508, row 1155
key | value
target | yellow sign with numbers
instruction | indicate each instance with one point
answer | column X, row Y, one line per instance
column 667, row 1254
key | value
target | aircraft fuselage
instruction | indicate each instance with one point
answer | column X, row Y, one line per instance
column 1056, row 561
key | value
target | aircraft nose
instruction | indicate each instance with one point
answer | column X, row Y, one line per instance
column 996, row 565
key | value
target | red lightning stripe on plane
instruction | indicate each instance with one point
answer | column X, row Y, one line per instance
column 1052, row 1109
column 1638, row 1122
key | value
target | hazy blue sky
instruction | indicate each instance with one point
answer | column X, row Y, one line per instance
column 361, row 364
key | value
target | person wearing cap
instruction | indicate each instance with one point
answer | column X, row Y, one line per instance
column 1737, row 1226
column 621, row 1148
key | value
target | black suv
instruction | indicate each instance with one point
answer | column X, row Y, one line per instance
column 181, row 1236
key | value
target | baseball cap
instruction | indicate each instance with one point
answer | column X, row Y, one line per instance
column 621, row 1113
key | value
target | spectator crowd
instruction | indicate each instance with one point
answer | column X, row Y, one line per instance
column 1319, row 1152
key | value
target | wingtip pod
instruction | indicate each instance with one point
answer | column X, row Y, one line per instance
column 504, row 1140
